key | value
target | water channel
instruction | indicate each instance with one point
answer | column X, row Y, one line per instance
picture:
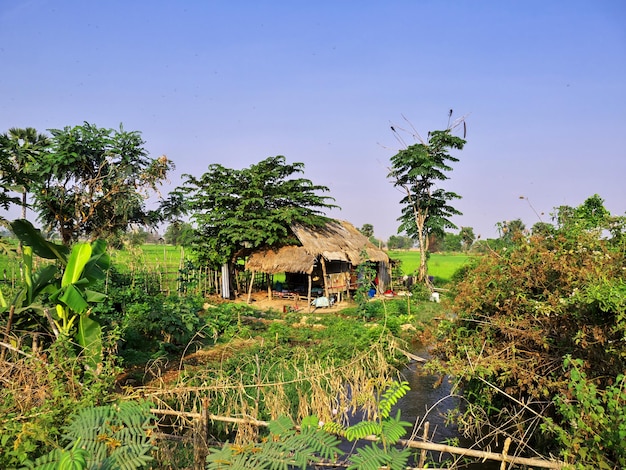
column 428, row 400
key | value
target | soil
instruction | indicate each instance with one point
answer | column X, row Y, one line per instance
column 260, row 301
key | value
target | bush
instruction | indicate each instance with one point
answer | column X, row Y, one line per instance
column 518, row 312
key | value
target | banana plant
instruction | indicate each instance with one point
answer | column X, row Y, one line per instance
column 69, row 287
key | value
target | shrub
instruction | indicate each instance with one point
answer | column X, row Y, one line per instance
column 518, row 312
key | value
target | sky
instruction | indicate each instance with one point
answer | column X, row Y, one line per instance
column 541, row 86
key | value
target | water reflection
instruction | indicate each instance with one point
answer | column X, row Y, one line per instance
column 429, row 400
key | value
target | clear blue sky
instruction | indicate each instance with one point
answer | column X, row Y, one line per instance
column 543, row 85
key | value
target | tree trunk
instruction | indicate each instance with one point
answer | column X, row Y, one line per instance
column 23, row 203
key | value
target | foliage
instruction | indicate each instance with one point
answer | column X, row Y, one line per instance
column 452, row 242
column 94, row 181
column 400, row 242
column 366, row 276
column 286, row 447
column 509, row 229
column 520, row 310
column 367, row 230
column 387, row 429
column 38, row 399
column 248, row 208
column 596, row 420
column 425, row 207
column 467, row 237
column 150, row 324
column 69, row 289
column 115, row 436
column 7, row 174
column 179, row 233
column 20, row 151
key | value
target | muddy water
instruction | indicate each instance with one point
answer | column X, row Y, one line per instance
column 429, row 399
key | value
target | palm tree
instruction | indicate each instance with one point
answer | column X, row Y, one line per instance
column 24, row 149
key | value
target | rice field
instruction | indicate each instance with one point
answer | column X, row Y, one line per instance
column 440, row 265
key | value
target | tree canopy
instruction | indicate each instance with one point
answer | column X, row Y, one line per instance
column 416, row 170
column 22, row 150
column 93, row 182
column 248, row 208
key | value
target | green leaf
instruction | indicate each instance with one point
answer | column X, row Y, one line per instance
column 73, row 298
column 32, row 237
column 89, row 336
column 93, row 296
column 99, row 263
column 81, row 253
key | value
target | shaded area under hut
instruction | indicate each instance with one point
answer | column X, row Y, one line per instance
column 323, row 265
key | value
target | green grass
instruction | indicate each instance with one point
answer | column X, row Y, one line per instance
column 148, row 256
column 440, row 265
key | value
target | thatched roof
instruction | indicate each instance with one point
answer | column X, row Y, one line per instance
column 335, row 241
column 288, row 259
column 338, row 240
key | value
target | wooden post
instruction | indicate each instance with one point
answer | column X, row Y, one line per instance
column 325, row 277
column 308, row 297
column 200, row 433
column 250, row 287
column 423, row 451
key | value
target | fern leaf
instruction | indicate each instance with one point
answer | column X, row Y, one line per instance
column 369, row 458
column 321, row 442
column 363, row 429
column 219, row 459
column 309, row 422
column 394, row 392
column 280, row 426
column 50, row 461
column 398, row 459
column 334, row 428
column 393, row 429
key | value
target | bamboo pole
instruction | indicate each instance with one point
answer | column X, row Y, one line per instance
column 443, row 448
column 480, row 454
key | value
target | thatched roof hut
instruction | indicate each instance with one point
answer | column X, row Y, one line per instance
column 337, row 243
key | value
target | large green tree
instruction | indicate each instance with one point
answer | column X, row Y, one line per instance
column 94, row 182
column 179, row 233
column 426, row 211
column 6, row 175
column 21, row 150
column 249, row 208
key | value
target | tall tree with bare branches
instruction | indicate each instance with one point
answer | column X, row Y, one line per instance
column 416, row 170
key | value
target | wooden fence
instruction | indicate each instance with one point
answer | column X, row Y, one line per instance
column 201, row 422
